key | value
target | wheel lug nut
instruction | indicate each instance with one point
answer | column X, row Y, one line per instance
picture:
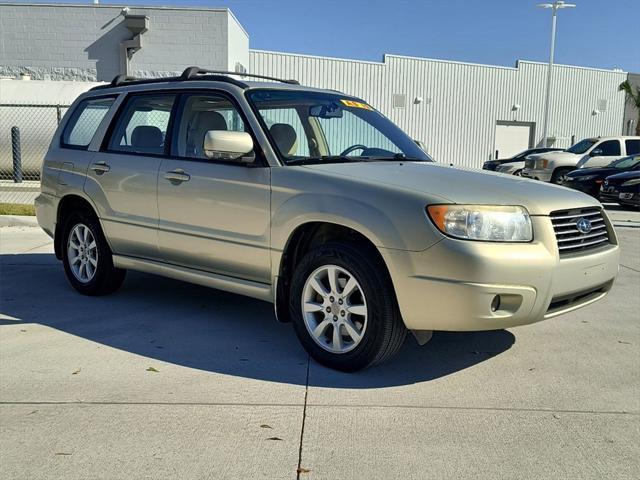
column 328, row 309
column 331, row 299
column 342, row 313
column 340, row 302
column 335, row 318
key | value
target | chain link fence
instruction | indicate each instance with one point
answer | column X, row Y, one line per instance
column 25, row 133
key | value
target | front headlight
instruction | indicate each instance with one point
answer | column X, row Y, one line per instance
column 541, row 163
column 633, row 181
column 490, row 223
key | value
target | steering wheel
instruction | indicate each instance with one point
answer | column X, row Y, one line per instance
column 353, row 148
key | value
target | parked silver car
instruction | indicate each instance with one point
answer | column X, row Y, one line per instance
column 313, row 200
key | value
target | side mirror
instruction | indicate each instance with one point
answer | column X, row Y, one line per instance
column 229, row 146
column 596, row 152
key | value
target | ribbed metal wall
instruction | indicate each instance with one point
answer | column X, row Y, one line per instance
column 461, row 102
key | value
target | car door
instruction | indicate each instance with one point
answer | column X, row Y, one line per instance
column 213, row 215
column 605, row 152
column 123, row 176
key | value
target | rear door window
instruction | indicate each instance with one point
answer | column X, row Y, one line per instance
column 633, row 146
column 609, row 148
column 84, row 122
column 142, row 126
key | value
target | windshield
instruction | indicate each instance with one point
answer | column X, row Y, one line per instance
column 315, row 127
column 626, row 163
column 582, row 146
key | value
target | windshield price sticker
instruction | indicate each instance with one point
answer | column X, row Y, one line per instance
column 354, row 104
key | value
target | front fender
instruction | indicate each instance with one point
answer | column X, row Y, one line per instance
column 304, row 208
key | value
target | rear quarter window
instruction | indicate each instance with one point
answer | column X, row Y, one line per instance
column 84, row 122
column 633, row 146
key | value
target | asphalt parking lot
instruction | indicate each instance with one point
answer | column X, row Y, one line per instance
column 169, row 380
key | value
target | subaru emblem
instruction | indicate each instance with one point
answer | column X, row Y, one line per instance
column 584, row 225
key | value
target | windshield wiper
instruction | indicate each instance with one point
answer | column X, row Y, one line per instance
column 397, row 157
column 326, row 159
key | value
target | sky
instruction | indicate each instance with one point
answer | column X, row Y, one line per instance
column 597, row 33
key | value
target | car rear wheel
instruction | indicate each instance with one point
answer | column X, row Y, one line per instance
column 344, row 309
column 560, row 175
column 87, row 259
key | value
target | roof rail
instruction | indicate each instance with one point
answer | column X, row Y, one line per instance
column 191, row 72
column 120, row 79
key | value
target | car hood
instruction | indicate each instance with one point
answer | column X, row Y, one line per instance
column 560, row 155
column 623, row 177
column 462, row 186
column 601, row 172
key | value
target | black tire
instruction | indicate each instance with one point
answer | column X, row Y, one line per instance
column 518, row 173
column 559, row 174
column 385, row 331
column 106, row 279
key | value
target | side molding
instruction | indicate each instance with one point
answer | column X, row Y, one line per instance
column 261, row 291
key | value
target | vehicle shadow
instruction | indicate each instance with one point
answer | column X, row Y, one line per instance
column 214, row 331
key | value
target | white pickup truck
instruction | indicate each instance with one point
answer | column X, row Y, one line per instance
column 588, row 153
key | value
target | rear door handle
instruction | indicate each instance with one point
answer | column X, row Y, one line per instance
column 100, row 167
column 177, row 176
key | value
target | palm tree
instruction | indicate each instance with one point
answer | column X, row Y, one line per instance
column 633, row 97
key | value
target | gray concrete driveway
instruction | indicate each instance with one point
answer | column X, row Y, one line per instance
column 169, row 380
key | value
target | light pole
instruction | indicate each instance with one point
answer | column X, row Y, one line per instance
column 555, row 6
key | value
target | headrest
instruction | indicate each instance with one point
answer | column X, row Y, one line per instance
column 146, row 136
column 210, row 120
column 285, row 137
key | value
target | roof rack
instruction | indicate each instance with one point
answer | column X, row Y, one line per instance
column 191, row 73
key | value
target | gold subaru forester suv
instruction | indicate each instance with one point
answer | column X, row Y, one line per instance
column 313, row 200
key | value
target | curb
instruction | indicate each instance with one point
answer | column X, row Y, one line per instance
column 18, row 221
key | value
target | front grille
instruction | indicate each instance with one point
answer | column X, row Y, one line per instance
column 565, row 302
column 570, row 239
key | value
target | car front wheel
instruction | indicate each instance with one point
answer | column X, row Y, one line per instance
column 344, row 309
column 560, row 175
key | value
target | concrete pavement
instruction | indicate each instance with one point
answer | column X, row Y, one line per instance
column 169, row 380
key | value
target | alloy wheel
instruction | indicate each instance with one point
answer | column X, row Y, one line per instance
column 334, row 309
column 82, row 253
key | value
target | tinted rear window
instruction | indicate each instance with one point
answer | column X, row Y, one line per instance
column 84, row 122
column 633, row 146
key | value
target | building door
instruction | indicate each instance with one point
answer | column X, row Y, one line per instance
column 512, row 138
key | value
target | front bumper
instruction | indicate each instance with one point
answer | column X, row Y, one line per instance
column 632, row 200
column 543, row 175
column 609, row 194
column 452, row 285
column 588, row 187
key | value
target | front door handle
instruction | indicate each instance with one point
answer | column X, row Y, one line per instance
column 100, row 167
column 177, row 176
